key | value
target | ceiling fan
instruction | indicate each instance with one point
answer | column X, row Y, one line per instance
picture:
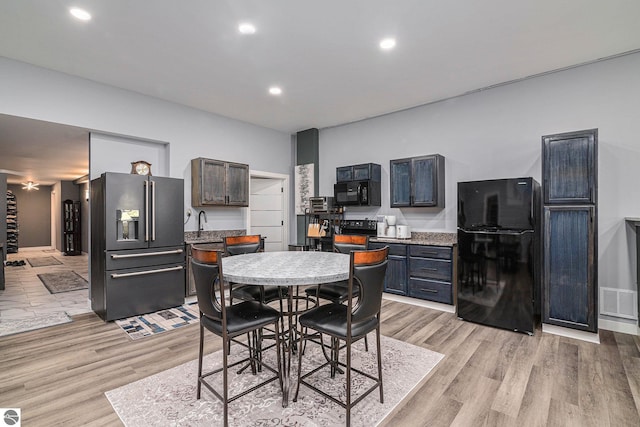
column 30, row 185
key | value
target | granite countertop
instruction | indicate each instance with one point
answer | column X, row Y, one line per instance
column 422, row 238
column 210, row 236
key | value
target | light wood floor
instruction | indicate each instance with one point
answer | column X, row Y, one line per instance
column 58, row 376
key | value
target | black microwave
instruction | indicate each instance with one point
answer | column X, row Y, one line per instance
column 357, row 193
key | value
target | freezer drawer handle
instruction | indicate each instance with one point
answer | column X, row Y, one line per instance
column 142, row 273
column 118, row 256
column 429, row 269
column 498, row 233
column 433, row 291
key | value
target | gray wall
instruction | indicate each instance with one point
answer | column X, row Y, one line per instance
column 497, row 133
column 34, row 216
column 37, row 93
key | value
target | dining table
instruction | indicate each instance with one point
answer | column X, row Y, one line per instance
column 287, row 269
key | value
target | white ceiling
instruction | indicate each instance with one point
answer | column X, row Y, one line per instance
column 324, row 54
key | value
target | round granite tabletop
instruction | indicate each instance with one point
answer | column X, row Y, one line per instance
column 286, row 268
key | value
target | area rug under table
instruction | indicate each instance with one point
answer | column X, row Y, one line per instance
column 64, row 281
column 15, row 326
column 146, row 325
column 169, row 397
column 43, row 261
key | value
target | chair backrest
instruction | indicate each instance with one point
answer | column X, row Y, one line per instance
column 345, row 243
column 236, row 245
column 206, row 265
column 367, row 270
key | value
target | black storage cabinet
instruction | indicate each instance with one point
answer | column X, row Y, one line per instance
column 72, row 236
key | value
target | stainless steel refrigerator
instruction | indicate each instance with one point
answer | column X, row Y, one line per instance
column 137, row 244
column 498, row 253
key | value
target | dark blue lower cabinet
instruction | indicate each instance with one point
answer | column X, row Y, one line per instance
column 569, row 276
column 419, row 271
column 431, row 273
column 395, row 281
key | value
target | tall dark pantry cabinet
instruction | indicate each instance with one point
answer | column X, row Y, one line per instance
column 570, row 174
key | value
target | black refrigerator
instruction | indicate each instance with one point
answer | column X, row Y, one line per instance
column 498, row 253
column 137, row 244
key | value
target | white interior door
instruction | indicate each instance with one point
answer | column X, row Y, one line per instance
column 267, row 211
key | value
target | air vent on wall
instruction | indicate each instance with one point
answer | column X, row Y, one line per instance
column 618, row 303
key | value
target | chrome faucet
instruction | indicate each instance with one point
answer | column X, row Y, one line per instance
column 200, row 226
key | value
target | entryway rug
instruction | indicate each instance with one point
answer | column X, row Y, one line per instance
column 169, row 397
column 146, row 325
column 43, row 261
column 15, row 326
column 64, row 281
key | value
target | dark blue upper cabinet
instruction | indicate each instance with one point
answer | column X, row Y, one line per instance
column 417, row 181
column 400, row 178
column 570, row 167
column 363, row 172
column 344, row 173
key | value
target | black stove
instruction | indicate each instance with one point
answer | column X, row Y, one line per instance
column 367, row 227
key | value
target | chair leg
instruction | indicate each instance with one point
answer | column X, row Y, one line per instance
column 259, row 338
column 301, row 342
column 366, row 344
column 251, row 342
column 335, row 354
column 379, row 362
column 348, row 397
column 225, row 381
column 200, row 355
column 279, row 357
column 230, row 304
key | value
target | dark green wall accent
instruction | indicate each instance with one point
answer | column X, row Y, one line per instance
column 307, row 151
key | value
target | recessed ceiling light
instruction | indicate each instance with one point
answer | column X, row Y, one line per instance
column 387, row 44
column 81, row 14
column 275, row 90
column 246, row 28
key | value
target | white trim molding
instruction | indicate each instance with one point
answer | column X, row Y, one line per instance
column 622, row 327
column 420, row 302
column 571, row 333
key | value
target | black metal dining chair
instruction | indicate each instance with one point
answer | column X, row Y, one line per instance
column 229, row 322
column 348, row 322
column 337, row 292
column 237, row 245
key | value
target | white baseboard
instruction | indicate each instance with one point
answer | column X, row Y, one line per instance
column 571, row 333
column 36, row 248
column 420, row 302
column 623, row 327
